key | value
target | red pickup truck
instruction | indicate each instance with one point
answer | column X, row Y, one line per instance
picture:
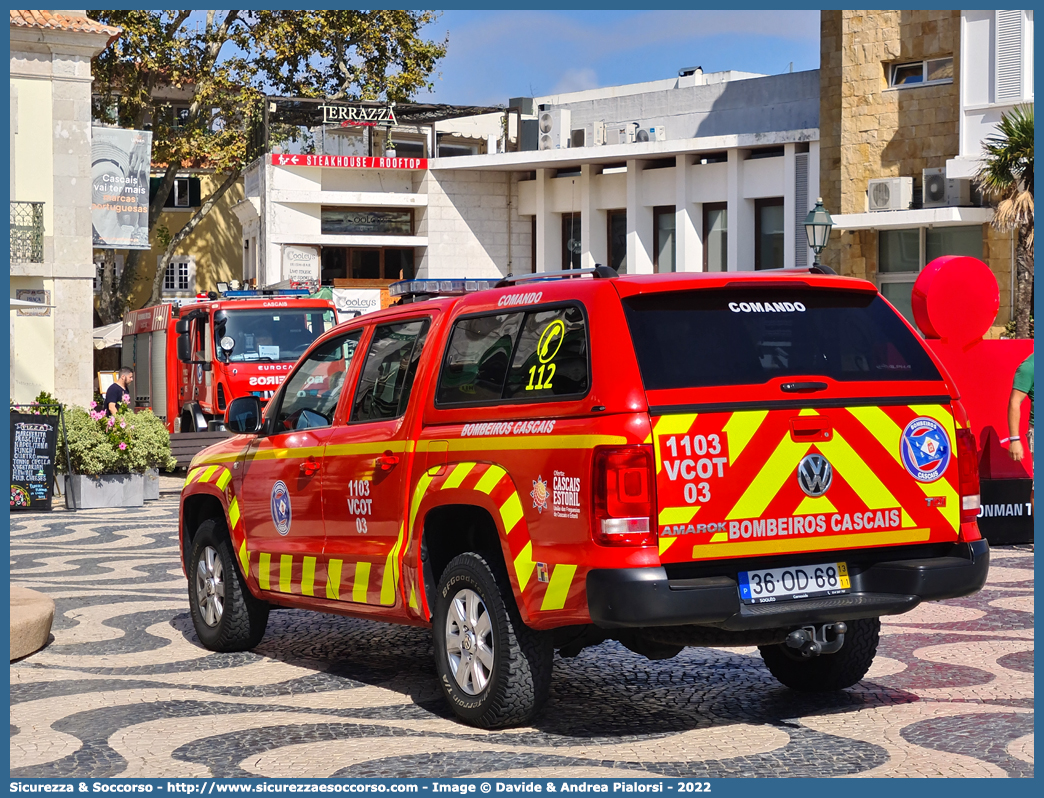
column 770, row 459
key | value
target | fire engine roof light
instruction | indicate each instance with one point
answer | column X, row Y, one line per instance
column 267, row 292
column 438, row 287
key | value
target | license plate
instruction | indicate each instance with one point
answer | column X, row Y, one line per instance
column 798, row 582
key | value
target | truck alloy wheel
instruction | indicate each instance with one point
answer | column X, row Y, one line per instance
column 495, row 671
column 210, row 587
column 226, row 616
column 469, row 642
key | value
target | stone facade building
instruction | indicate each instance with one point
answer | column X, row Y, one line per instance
column 894, row 103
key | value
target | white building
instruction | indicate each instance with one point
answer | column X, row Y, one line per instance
column 996, row 75
column 699, row 172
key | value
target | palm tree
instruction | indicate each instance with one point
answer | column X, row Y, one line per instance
column 1006, row 180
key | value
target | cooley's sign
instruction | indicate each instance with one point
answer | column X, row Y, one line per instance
column 348, row 161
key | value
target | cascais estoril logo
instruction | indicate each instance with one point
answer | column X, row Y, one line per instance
column 539, row 494
column 281, row 512
column 925, row 449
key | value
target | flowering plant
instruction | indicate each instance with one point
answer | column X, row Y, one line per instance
column 126, row 442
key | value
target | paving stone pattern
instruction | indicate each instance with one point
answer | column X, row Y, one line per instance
column 124, row 688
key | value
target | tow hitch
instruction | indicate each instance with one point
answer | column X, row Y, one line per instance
column 811, row 641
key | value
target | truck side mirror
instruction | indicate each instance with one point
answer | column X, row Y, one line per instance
column 184, row 347
column 182, row 326
column 244, row 415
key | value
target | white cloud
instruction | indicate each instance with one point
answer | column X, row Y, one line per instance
column 576, row 80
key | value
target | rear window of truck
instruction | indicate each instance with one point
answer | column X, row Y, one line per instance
column 697, row 339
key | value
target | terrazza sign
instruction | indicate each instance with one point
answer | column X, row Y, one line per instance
column 348, row 161
column 359, row 115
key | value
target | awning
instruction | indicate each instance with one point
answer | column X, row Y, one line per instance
column 922, row 217
column 109, row 336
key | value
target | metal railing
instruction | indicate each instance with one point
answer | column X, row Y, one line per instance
column 27, row 232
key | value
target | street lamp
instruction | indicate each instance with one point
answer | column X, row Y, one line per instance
column 817, row 229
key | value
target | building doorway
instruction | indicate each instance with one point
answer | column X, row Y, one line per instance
column 366, row 263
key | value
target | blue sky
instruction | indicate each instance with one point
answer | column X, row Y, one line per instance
column 494, row 55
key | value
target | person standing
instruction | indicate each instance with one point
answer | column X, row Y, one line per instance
column 114, row 393
column 1022, row 386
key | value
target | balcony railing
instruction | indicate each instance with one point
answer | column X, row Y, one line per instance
column 27, row 232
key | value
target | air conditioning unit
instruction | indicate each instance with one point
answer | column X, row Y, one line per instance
column 590, row 135
column 657, row 133
column 620, row 134
column 890, row 193
column 941, row 191
column 553, row 129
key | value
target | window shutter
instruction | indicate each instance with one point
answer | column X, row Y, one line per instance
column 194, row 194
column 1008, row 56
column 800, row 208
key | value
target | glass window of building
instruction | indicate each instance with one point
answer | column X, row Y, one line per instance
column 570, row 240
column 366, row 221
column 715, row 237
column 768, row 233
column 664, row 239
column 903, row 253
column 616, row 225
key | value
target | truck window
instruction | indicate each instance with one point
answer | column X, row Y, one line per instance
column 278, row 335
column 551, row 358
column 696, row 339
column 389, row 369
column 477, row 359
column 311, row 394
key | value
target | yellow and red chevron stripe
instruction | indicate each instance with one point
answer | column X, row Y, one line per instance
column 754, row 477
column 561, row 591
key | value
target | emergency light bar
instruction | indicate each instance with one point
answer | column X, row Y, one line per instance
column 438, row 287
column 267, row 292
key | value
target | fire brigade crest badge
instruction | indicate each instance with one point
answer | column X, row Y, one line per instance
column 925, row 449
column 281, row 512
column 539, row 494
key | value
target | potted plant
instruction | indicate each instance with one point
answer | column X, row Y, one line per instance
column 110, row 456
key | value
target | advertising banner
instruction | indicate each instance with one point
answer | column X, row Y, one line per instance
column 120, row 164
column 301, row 266
column 351, row 302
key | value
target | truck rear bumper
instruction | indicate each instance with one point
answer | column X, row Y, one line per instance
column 640, row 597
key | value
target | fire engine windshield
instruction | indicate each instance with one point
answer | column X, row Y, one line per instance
column 278, row 335
column 697, row 339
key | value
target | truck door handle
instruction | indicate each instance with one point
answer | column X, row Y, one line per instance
column 387, row 461
column 310, row 466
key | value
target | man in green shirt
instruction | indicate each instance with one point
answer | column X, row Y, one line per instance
column 1022, row 386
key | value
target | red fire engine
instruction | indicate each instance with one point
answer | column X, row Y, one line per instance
column 191, row 360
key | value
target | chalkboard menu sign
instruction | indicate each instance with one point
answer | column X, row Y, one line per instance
column 34, row 441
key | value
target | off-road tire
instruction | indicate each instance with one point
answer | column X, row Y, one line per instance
column 827, row 672
column 520, row 677
column 244, row 618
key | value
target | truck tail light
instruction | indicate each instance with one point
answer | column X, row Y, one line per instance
column 968, row 469
column 624, row 496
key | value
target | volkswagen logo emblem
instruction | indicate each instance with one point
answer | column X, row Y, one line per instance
column 814, row 475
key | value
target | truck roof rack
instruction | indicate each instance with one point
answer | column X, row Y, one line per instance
column 598, row 271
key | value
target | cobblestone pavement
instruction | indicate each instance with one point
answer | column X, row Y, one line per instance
column 125, row 689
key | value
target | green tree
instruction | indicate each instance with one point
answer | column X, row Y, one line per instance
column 1006, row 180
column 221, row 63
